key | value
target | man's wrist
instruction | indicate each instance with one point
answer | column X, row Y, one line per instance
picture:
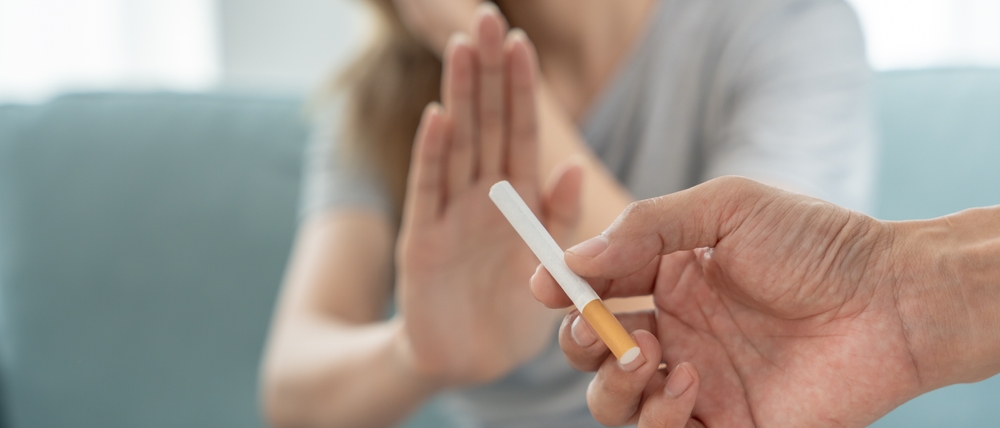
column 946, row 278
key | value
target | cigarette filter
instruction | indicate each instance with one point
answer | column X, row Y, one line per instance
column 551, row 255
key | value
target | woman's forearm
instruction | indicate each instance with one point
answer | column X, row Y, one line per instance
column 947, row 281
column 603, row 198
column 330, row 360
column 345, row 376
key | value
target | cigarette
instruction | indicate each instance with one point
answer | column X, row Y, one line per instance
column 551, row 255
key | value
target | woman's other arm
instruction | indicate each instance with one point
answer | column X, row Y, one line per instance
column 602, row 196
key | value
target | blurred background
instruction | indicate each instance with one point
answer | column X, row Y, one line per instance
column 150, row 154
column 53, row 46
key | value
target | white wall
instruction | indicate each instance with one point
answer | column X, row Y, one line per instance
column 287, row 45
column 290, row 44
column 907, row 34
column 52, row 46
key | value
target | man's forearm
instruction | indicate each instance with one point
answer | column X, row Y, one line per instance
column 947, row 283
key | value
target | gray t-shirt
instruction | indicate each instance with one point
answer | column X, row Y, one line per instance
column 774, row 90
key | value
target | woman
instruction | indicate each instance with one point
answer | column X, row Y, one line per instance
column 665, row 95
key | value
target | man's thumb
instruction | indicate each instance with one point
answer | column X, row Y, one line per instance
column 693, row 218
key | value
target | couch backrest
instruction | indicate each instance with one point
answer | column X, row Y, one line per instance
column 142, row 241
column 941, row 154
column 940, row 142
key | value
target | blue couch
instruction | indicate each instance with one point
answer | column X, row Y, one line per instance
column 143, row 238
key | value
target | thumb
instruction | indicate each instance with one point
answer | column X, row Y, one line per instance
column 693, row 218
column 671, row 406
column 561, row 202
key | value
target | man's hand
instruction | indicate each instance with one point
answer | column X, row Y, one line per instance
column 772, row 309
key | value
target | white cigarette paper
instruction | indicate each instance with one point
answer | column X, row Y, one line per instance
column 541, row 243
column 550, row 254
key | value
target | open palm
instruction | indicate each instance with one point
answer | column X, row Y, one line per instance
column 468, row 315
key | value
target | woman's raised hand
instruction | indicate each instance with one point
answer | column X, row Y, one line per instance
column 468, row 315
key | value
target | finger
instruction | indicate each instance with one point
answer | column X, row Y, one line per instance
column 561, row 204
column 584, row 349
column 459, row 101
column 671, row 405
column 425, row 190
column 490, row 30
column 547, row 291
column 522, row 138
column 615, row 394
column 689, row 219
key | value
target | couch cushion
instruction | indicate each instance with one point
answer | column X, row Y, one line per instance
column 142, row 241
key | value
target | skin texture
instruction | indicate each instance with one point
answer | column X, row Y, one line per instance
column 782, row 307
column 788, row 311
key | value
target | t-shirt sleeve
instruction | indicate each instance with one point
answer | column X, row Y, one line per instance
column 333, row 176
column 801, row 111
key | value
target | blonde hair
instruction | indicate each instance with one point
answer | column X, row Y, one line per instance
column 386, row 89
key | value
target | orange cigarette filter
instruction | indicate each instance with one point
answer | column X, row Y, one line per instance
column 609, row 330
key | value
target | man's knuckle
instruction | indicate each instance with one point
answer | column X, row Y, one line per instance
column 640, row 210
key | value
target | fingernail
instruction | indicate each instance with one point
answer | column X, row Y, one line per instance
column 518, row 33
column 582, row 333
column 458, row 38
column 630, row 367
column 591, row 247
column 429, row 109
column 535, row 274
column 679, row 381
column 487, row 7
